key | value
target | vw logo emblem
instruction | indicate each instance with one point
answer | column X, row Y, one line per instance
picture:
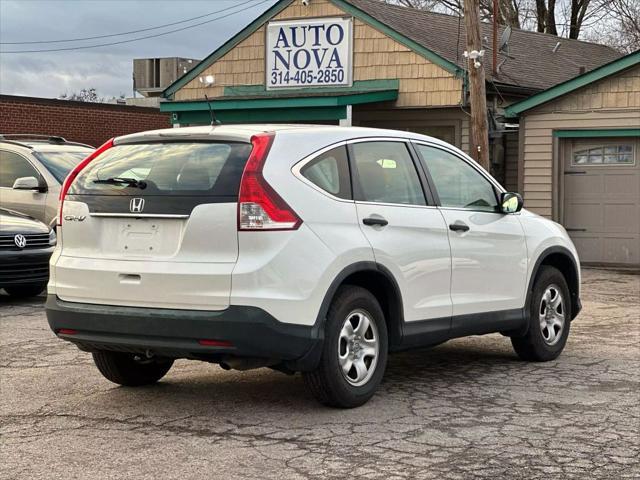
column 20, row 241
column 136, row 205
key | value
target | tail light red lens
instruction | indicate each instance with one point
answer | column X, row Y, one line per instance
column 67, row 331
column 74, row 173
column 215, row 343
column 259, row 205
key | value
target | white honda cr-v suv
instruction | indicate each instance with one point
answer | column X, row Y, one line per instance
column 300, row 248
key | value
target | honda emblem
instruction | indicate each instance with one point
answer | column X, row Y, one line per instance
column 136, row 205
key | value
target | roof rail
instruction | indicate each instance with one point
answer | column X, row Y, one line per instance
column 20, row 138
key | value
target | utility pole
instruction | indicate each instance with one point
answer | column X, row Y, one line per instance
column 477, row 90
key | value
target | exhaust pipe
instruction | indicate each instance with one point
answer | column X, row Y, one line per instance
column 245, row 363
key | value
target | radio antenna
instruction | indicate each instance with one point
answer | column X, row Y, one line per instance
column 212, row 115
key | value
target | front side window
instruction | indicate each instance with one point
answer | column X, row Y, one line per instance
column 330, row 172
column 386, row 173
column 14, row 166
column 621, row 154
column 458, row 184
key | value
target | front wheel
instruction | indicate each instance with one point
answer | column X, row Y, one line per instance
column 354, row 355
column 130, row 370
column 549, row 318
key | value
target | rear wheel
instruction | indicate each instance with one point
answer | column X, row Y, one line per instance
column 549, row 318
column 28, row 290
column 130, row 370
column 354, row 354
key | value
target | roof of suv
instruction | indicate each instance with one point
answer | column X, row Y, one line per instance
column 43, row 143
column 244, row 133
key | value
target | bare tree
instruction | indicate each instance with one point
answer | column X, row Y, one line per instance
column 84, row 95
column 565, row 18
column 89, row 95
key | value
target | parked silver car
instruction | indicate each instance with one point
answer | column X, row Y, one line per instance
column 32, row 169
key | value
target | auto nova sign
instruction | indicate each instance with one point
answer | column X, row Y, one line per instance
column 311, row 52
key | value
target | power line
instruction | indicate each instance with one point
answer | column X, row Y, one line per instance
column 125, row 33
column 134, row 39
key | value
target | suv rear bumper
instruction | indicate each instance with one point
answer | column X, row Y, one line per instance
column 252, row 332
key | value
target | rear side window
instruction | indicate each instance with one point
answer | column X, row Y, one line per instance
column 386, row 173
column 175, row 168
column 330, row 172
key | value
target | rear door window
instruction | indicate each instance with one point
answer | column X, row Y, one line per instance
column 386, row 173
column 172, row 168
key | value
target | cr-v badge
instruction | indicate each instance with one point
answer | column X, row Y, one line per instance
column 75, row 218
column 136, row 205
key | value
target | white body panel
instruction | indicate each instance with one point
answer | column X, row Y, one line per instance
column 489, row 262
column 414, row 247
column 161, row 262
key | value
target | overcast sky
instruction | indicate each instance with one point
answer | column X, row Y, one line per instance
column 108, row 68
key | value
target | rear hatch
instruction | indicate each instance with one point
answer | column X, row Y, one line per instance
column 153, row 225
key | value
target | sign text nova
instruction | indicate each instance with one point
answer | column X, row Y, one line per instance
column 314, row 52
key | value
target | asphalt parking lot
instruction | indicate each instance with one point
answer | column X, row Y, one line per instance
column 465, row 409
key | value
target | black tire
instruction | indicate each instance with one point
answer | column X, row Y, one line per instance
column 327, row 383
column 124, row 369
column 532, row 346
column 27, row 290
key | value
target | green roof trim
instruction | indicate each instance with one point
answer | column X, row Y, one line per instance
column 226, row 47
column 230, row 103
column 281, row 5
column 359, row 86
column 266, row 115
column 623, row 63
column 596, row 133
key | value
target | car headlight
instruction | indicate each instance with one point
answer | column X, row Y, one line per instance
column 52, row 238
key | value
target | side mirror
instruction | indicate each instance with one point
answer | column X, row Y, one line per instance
column 511, row 202
column 27, row 183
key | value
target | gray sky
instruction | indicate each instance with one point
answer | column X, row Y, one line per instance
column 109, row 68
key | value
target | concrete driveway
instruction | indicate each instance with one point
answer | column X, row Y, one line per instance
column 466, row 409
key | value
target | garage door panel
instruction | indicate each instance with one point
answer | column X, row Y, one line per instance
column 584, row 215
column 625, row 183
column 624, row 250
column 589, row 247
column 584, row 185
column 601, row 207
column 618, row 218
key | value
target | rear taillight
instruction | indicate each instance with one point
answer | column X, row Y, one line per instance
column 259, row 205
column 74, row 173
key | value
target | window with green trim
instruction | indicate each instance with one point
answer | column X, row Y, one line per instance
column 620, row 154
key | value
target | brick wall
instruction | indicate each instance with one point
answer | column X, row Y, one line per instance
column 91, row 123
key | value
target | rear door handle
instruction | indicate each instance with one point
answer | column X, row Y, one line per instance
column 459, row 227
column 371, row 221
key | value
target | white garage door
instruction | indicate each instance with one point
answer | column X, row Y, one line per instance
column 602, row 198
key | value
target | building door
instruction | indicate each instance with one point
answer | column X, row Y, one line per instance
column 601, row 204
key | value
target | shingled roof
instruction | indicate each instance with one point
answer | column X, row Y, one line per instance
column 533, row 65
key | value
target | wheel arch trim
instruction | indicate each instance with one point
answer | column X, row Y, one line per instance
column 359, row 267
column 573, row 289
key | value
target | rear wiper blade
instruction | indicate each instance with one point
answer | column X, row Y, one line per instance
column 131, row 182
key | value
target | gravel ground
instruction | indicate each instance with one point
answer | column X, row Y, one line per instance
column 465, row 409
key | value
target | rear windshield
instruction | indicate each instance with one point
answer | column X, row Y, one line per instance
column 61, row 163
column 176, row 168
